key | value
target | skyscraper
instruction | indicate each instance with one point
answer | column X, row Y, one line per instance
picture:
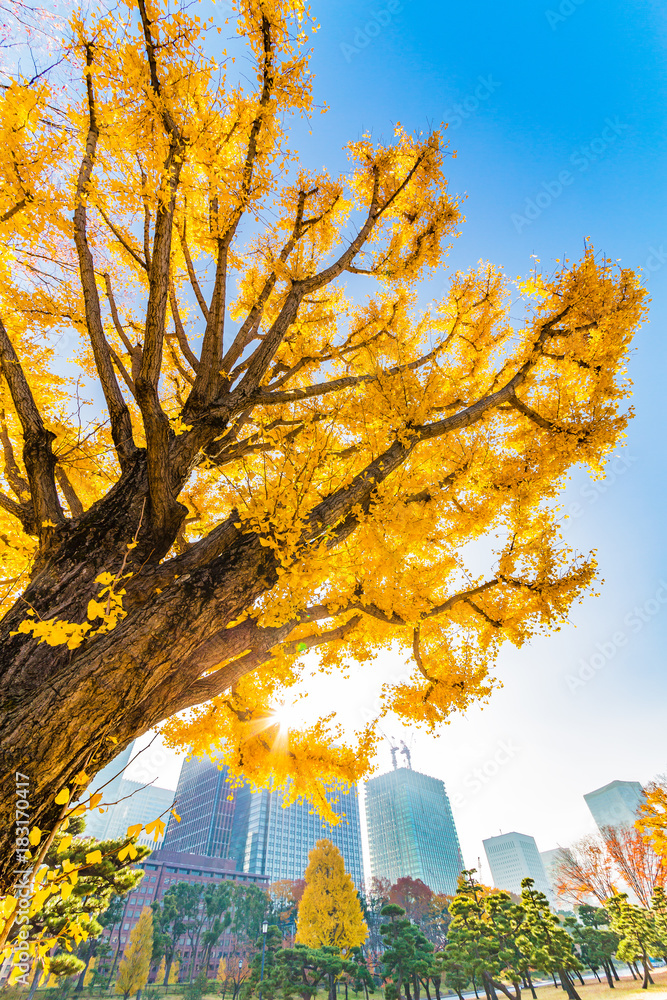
column 255, row 829
column 616, row 804
column 133, row 802
column 280, row 838
column 513, row 857
column 411, row 829
column 205, row 801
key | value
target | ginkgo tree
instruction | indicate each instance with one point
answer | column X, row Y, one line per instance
column 259, row 441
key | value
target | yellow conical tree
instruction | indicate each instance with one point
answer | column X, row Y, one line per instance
column 159, row 975
column 88, row 978
column 173, row 972
column 329, row 911
column 134, row 967
column 222, row 969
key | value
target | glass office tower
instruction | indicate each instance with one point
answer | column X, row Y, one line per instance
column 411, row 830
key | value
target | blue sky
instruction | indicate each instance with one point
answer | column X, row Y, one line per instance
column 562, row 106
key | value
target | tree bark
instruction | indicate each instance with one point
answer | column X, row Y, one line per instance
column 50, row 727
column 531, row 986
column 568, row 985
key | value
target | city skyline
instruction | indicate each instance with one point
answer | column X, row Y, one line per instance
column 257, row 830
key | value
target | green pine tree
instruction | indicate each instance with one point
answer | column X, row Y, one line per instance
column 637, row 932
column 541, row 937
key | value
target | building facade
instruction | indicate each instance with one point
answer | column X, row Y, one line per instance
column 205, row 801
column 256, row 829
column 513, row 857
column 280, row 838
column 616, row 804
column 163, row 869
column 411, row 830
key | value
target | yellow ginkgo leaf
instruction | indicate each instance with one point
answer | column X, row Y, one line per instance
column 64, row 843
column 94, row 857
column 81, row 778
column 62, row 797
column 35, row 836
column 157, row 828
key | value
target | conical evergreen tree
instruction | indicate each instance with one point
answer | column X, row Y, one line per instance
column 136, row 962
column 330, row 914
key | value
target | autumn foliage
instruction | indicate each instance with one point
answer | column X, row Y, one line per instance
column 330, row 914
column 233, row 432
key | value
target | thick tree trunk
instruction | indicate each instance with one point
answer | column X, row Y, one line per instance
column 499, row 985
column 531, row 987
column 568, row 985
column 610, row 978
column 59, row 707
column 613, row 969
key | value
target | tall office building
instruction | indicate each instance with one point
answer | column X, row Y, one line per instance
column 513, row 857
column 205, row 800
column 411, row 829
column 133, row 802
column 256, row 829
column 280, row 838
column 616, row 804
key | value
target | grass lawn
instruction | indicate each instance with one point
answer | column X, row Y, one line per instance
column 627, row 989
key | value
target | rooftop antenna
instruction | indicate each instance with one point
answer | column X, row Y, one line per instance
column 406, row 754
column 393, row 751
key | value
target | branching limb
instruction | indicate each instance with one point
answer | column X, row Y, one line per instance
column 196, row 288
column 121, row 423
column 223, row 679
column 38, row 456
column 180, row 330
column 166, row 513
column 13, row 474
column 136, row 256
column 134, row 350
column 209, row 379
column 73, row 502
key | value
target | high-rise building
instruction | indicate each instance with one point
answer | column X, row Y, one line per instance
column 411, row 830
column 256, row 829
column 205, row 801
column 513, row 857
column 280, row 838
column 131, row 802
column 616, row 804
